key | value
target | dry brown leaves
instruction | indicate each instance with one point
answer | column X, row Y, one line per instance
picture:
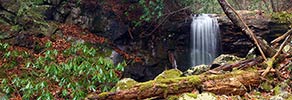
column 4, row 28
column 16, row 97
column 19, row 59
column 61, row 44
column 77, row 32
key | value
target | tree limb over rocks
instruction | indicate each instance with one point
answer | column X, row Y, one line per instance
column 237, row 20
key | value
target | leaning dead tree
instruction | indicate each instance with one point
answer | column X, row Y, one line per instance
column 236, row 19
column 234, row 83
column 264, row 49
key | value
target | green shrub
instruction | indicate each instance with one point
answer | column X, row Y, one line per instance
column 83, row 72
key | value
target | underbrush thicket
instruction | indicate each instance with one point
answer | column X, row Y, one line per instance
column 71, row 73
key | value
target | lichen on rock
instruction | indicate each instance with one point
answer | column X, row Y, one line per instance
column 192, row 96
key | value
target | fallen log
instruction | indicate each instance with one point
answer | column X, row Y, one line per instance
column 233, row 83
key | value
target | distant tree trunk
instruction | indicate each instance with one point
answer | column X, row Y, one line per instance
column 237, row 20
column 238, row 4
column 269, row 7
column 277, row 6
column 245, row 4
column 273, row 5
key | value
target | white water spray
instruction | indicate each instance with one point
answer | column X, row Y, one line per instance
column 204, row 38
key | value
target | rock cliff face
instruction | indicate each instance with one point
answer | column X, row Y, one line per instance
column 99, row 17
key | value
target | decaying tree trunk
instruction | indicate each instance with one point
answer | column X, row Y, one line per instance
column 236, row 85
column 233, row 83
column 237, row 20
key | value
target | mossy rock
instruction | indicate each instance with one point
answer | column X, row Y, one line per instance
column 226, row 59
column 266, row 86
column 192, row 96
column 125, row 83
column 172, row 97
column 184, row 96
column 282, row 96
column 172, row 73
column 188, row 96
column 206, row 96
column 196, row 70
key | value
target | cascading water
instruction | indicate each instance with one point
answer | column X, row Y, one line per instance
column 204, row 38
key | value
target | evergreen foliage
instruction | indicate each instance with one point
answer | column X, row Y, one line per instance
column 44, row 78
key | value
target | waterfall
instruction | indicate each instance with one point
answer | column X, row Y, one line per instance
column 204, row 39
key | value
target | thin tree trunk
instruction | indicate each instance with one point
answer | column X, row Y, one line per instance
column 237, row 3
column 273, row 5
column 269, row 7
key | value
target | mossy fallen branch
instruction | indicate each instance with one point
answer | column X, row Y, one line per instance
column 233, row 83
